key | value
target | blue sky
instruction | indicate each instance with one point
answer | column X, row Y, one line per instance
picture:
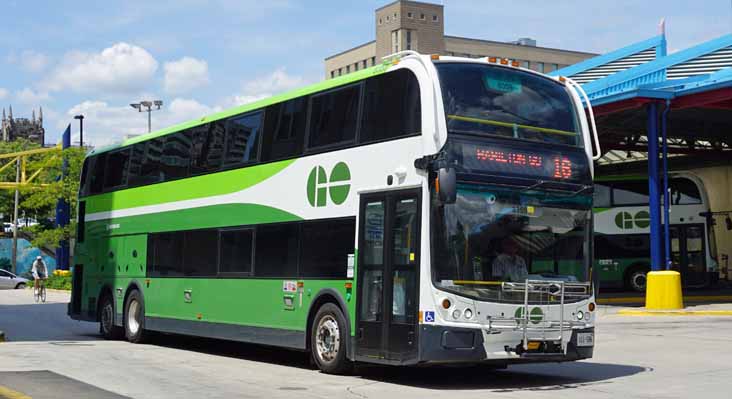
column 95, row 57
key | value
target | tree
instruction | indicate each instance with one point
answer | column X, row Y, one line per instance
column 39, row 201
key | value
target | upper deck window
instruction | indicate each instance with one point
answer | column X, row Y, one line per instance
column 494, row 101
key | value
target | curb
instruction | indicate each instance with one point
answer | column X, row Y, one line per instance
column 691, row 299
column 681, row 312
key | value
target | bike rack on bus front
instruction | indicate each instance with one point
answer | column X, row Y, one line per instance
column 553, row 290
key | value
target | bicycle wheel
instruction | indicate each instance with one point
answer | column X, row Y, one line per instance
column 43, row 294
column 36, row 294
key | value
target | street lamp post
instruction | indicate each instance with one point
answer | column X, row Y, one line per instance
column 147, row 106
column 81, row 129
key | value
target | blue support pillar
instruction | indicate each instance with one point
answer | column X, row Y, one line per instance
column 666, row 196
column 62, row 207
column 653, row 194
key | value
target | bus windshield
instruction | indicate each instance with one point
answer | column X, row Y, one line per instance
column 492, row 235
column 495, row 101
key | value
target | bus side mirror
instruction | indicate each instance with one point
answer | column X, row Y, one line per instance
column 447, row 185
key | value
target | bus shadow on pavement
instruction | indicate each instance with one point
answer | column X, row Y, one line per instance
column 535, row 377
column 547, row 376
column 44, row 322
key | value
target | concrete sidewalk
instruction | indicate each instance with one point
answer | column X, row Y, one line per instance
column 717, row 309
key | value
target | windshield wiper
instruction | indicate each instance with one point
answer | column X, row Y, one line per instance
column 536, row 185
column 581, row 190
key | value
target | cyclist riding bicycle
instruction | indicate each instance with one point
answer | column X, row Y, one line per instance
column 39, row 271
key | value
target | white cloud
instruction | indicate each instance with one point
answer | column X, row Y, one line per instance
column 31, row 97
column 122, row 68
column 185, row 74
column 276, row 82
column 33, row 61
column 3, row 93
column 105, row 124
column 263, row 87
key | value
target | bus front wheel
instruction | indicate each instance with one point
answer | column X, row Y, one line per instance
column 328, row 340
column 135, row 318
column 636, row 278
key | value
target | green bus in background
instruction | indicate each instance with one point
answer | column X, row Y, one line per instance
column 622, row 232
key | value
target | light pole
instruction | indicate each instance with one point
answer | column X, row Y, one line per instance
column 81, row 129
column 147, row 106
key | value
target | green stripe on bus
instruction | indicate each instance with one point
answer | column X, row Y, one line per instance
column 185, row 189
column 188, row 219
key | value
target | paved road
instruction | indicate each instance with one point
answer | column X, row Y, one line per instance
column 636, row 357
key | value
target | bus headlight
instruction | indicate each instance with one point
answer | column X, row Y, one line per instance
column 456, row 314
column 580, row 315
column 468, row 314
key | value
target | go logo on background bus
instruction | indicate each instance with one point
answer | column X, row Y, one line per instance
column 337, row 185
column 625, row 220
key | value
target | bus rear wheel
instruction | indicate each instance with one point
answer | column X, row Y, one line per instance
column 135, row 318
column 106, row 319
column 328, row 340
column 636, row 278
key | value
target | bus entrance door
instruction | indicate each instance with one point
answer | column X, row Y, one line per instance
column 388, row 269
column 688, row 253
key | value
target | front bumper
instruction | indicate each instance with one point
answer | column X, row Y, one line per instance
column 442, row 344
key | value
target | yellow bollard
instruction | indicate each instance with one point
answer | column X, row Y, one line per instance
column 663, row 291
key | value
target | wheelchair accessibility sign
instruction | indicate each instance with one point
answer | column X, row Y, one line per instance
column 429, row 316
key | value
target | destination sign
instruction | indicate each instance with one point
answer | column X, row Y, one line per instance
column 545, row 164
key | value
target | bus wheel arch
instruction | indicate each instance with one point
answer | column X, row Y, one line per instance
column 134, row 293
column 106, row 310
column 329, row 296
column 635, row 276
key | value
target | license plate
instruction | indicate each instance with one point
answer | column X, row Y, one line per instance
column 586, row 339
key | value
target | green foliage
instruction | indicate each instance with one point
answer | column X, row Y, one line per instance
column 55, row 283
column 40, row 202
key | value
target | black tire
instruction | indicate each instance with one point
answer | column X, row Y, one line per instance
column 106, row 319
column 635, row 278
column 20, row 286
column 329, row 340
column 134, row 320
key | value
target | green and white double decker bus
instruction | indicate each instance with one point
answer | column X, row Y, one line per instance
column 622, row 231
column 425, row 210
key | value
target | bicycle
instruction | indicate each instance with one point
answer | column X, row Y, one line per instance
column 39, row 294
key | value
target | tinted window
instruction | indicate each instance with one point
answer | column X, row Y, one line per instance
column 200, row 252
column 176, row 155
column 165, row 254
column 84, row 179
column 601, row 196
column 97, row 173
column 684, row 192
column 242, row 138
column 116, row 171
column 285, row 129
column 276, row 251
column 633, row 192
column 207, row 147
column 490, row 100
column 137, row 157
column 391, row 107
column 150, row 154
column 325, row 247
column 333, row 117
column 236, row 251
column 622, row 246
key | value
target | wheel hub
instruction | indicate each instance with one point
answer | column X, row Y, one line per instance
column 328, row 339
column 133, row 314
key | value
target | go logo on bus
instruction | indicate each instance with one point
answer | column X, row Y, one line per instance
column 535, row 315
column 625, row 220
column 337, row 185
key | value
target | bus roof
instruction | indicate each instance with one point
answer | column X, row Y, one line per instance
column 303, row 91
